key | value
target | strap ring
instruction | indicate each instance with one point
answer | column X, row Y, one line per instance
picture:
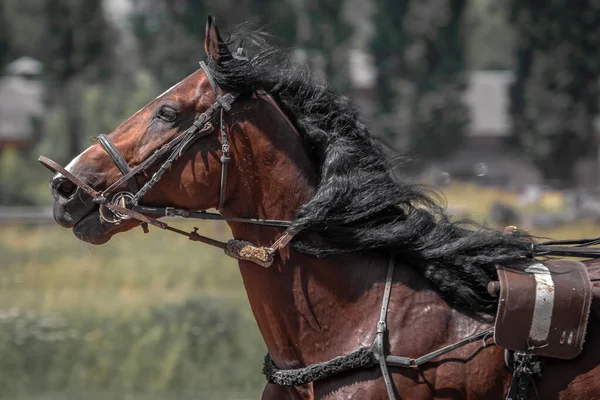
column 114, row 217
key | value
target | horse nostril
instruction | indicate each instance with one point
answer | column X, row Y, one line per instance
column 63, row 187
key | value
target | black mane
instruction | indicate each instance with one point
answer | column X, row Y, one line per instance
column 358, row 205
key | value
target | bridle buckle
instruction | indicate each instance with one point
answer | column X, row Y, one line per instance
column 121, row 199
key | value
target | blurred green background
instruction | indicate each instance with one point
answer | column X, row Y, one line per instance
column 145, row 317
column 494, row 101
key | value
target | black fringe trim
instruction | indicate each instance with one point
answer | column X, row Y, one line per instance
column 361, row 358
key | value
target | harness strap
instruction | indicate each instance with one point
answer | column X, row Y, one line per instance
column 364, row 357
column 200, row 127
column 524, row 365
column 361, row 358
column 398, row 361
column 98, row 197
column 379, row 344
column 55, row 168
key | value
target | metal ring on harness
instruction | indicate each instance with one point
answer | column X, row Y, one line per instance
column 115, row 217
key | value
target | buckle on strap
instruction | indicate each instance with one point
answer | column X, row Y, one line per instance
column 240, row 54
column 115, row 217
column 525, row 365
column 223, row 102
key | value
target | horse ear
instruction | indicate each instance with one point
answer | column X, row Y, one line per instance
column 213, row 43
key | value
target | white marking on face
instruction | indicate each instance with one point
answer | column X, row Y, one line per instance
column 70, row 166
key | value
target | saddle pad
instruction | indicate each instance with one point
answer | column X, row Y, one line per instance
column 545, row 308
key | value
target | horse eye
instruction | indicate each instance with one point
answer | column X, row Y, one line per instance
column 167, row 114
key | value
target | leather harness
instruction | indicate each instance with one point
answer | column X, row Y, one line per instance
column 125, row 205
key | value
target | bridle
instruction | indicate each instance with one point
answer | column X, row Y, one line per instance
column 116, row 207
column 201, row 127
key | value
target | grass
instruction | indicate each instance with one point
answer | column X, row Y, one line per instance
column 49, row 261
column 144, row 316
column 477, row 201
column 144, row 313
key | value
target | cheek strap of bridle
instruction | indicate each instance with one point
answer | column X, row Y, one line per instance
column 225, row 105
column 225, row 158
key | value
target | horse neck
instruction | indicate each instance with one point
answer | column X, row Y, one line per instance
column 274, row 174
column 299, row 300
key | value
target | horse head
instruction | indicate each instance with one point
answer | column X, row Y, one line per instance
column 229, row 147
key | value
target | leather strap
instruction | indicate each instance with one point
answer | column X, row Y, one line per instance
column 119, row 160
column 213, row 84
column 183, row 142
column 183, row 213
column 379, row 344
column 225, row 104
column 525, row 366
column 224, row 164
column 56, row 168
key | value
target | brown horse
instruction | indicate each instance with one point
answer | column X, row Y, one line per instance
column 298, row 152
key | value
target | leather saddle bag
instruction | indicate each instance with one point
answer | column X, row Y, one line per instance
column 544, row 309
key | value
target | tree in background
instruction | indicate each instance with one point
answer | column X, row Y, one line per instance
column 77, row 50
column 439, row 72
column 281, row 16
column 4, row 39
column 329, row 33
column 171, row 33
column 387, row 47
column 317, row 27
column 423, row 41
column 23, row 25
column 170, row 36
column 555, row 95
column 491, row 39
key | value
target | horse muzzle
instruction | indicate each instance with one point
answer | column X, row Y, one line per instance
column 71, row 204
